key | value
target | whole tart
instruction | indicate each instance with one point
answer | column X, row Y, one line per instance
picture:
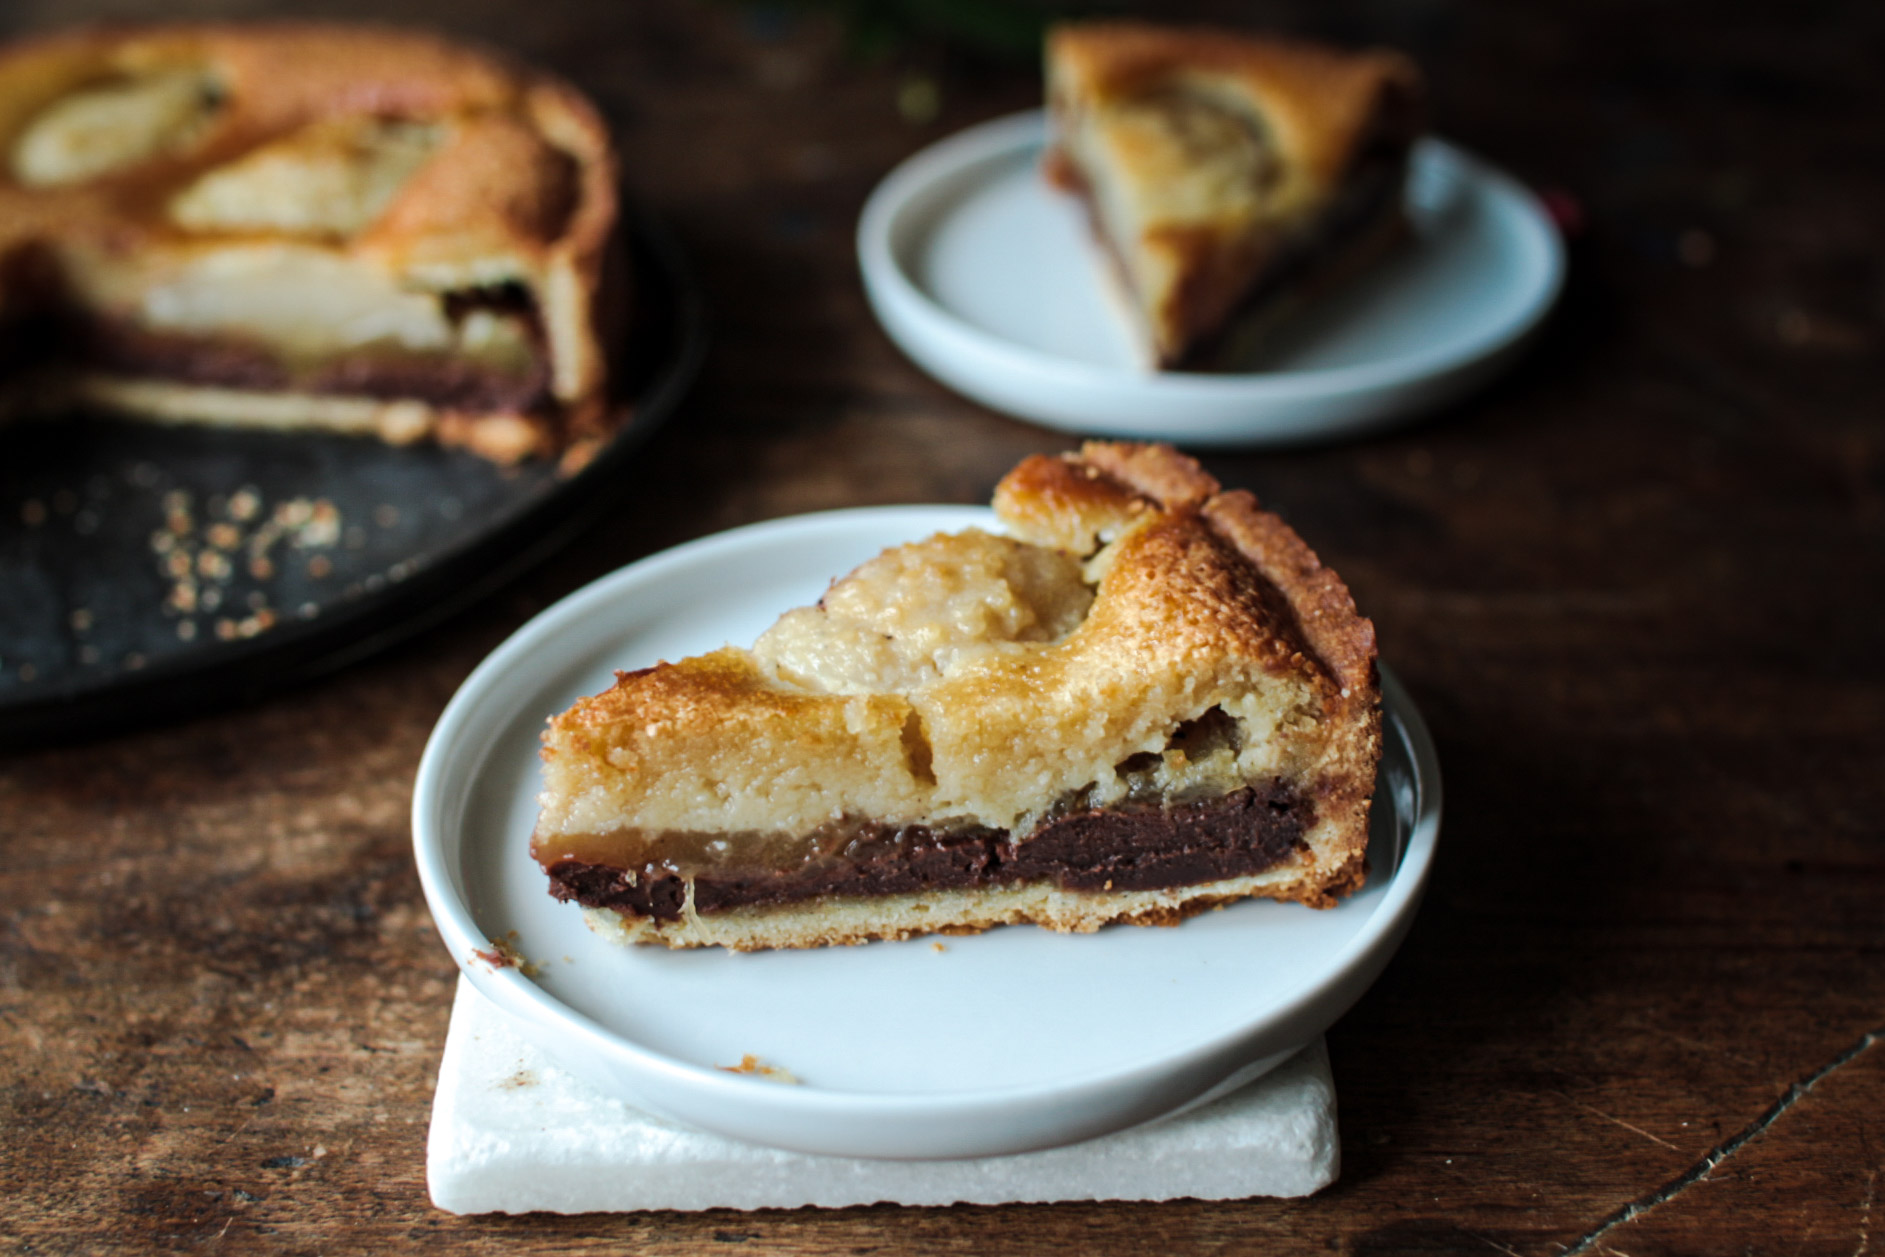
column 1146, row 698
column 306, row 226
column 1227, row 176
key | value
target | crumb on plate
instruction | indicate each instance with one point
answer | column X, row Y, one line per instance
column 750, row 1064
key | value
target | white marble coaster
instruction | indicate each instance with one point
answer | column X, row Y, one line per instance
column 513, row 1133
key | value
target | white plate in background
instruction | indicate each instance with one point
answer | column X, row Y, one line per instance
column 1001, row 1042
column 988, row 279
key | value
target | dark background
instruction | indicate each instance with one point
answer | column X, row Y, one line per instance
column 1635, row 588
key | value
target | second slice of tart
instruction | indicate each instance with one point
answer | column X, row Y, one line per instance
column 1227, row 176
column 1149, row 698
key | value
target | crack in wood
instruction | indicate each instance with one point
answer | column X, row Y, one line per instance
column 1865, row 1214
column 1720, row 1152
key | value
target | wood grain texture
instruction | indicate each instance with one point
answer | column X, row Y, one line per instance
column 1635, row 588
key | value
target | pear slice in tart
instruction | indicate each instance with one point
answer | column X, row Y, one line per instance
column 1227, row 177
column 1146, row 699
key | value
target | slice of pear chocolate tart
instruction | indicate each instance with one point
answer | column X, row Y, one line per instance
column 1146, row 698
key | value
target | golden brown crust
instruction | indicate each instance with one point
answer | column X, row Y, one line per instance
column 521, row 188
column 1108, row 484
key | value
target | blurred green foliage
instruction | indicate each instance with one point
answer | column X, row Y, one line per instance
column 995, row 30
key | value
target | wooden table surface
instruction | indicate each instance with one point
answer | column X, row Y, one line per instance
column 1636, row 588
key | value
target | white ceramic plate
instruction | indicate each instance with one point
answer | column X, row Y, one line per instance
column 989, row 280
column 1002, row 1042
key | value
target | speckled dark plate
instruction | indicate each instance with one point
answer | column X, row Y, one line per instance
column 149, row 573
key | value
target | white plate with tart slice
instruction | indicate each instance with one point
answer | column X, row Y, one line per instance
column 1014, row 1039
column 989, row 277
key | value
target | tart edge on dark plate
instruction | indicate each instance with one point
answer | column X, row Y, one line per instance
column 660, row 357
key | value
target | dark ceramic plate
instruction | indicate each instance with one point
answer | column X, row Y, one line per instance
column 148, row 573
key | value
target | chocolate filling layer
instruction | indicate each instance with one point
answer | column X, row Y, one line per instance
column 454, row 383
column 45, row 323
column 1147, row 847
